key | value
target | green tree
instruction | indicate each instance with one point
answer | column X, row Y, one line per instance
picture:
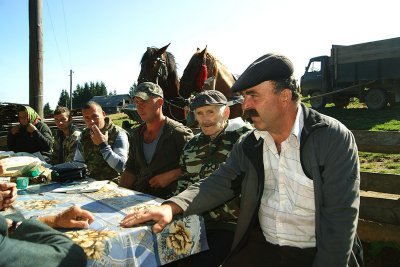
column 64, row 99
column 47, row 111
column 84, row 93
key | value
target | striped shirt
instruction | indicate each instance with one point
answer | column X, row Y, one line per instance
column 287, row 211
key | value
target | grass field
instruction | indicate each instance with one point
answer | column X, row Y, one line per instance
column 357, row 117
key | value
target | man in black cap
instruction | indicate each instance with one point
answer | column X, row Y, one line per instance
column 297, row 175
column 155, row 146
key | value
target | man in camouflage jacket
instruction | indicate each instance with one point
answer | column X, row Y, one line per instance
column 65, row 138
column 201, row 156
column 103, row 146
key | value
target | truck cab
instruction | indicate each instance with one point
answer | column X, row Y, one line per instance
column 316, row 80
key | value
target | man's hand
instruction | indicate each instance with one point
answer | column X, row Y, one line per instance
column 164, row 179
column 161, row 215
column 158, row 181
column 30, row 128
column 15, row 129
column 97, row 136
column 74, row 217
column 8, row 192
column 127, row 180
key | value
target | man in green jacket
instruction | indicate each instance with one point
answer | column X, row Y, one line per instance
column 155, row 146
column 297, row 175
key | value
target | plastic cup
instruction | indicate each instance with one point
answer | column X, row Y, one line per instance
column 22, row 182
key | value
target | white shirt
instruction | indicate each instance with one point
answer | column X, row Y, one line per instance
column 287, row 211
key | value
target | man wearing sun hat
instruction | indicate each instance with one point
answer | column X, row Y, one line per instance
column 155, row 146
column 297, row 175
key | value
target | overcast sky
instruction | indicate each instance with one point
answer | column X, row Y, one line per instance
column 104, row 40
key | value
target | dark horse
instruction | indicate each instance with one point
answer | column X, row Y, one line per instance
column 158, row 66
column 216, row 77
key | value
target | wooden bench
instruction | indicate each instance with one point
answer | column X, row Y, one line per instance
column 380, row 193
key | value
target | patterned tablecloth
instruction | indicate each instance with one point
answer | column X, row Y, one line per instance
column 107, row 244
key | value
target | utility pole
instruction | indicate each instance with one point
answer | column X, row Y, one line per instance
column 36, row 56
column 70, row 89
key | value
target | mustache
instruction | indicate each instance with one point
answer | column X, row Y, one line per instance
column 251, row 113
column 207, row 124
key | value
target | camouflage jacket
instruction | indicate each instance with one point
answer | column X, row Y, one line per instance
column 201, row 156
column 67, row 144
column 99, row 169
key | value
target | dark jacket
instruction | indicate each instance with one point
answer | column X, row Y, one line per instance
column 36, row 244
column 166, row 157
column 39, row 141
column 329, row 156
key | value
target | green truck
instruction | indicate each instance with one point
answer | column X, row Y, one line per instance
column 367, row 71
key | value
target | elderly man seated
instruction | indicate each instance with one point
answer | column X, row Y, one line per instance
column 201, row 156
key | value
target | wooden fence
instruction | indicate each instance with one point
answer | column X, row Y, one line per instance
column 380, row 193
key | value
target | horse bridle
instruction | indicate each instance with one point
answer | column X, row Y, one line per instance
column 163, row 71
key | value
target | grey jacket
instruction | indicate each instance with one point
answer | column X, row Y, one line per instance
column 329, row 156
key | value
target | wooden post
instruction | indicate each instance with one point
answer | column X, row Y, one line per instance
column 36, row 56
column 70, row 89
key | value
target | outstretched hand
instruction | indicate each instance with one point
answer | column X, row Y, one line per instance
column 161, row 215
column 74, row 217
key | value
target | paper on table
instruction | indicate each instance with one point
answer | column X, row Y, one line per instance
column 81, row 187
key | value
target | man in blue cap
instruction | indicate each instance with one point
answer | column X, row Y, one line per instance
column 297, row 175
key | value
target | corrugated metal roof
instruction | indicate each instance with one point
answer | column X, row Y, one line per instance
column 111, row 100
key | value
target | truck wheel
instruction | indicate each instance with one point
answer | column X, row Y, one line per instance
column 341, row 102
column 318, row 102
column 376, row 99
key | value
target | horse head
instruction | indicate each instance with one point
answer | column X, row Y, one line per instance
column 153, row 65
column 205, row 72
column 201, row 66
column 159, row 66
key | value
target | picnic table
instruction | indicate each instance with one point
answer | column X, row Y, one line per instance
column 105, row 242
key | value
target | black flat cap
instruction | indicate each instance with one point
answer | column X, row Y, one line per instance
column 268, row 67
column 208, row 98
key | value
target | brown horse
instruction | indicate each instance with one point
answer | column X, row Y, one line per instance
column 218, row 77
column 158, row 66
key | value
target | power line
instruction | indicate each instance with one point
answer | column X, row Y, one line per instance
column 54, row 34
column 66, row 33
